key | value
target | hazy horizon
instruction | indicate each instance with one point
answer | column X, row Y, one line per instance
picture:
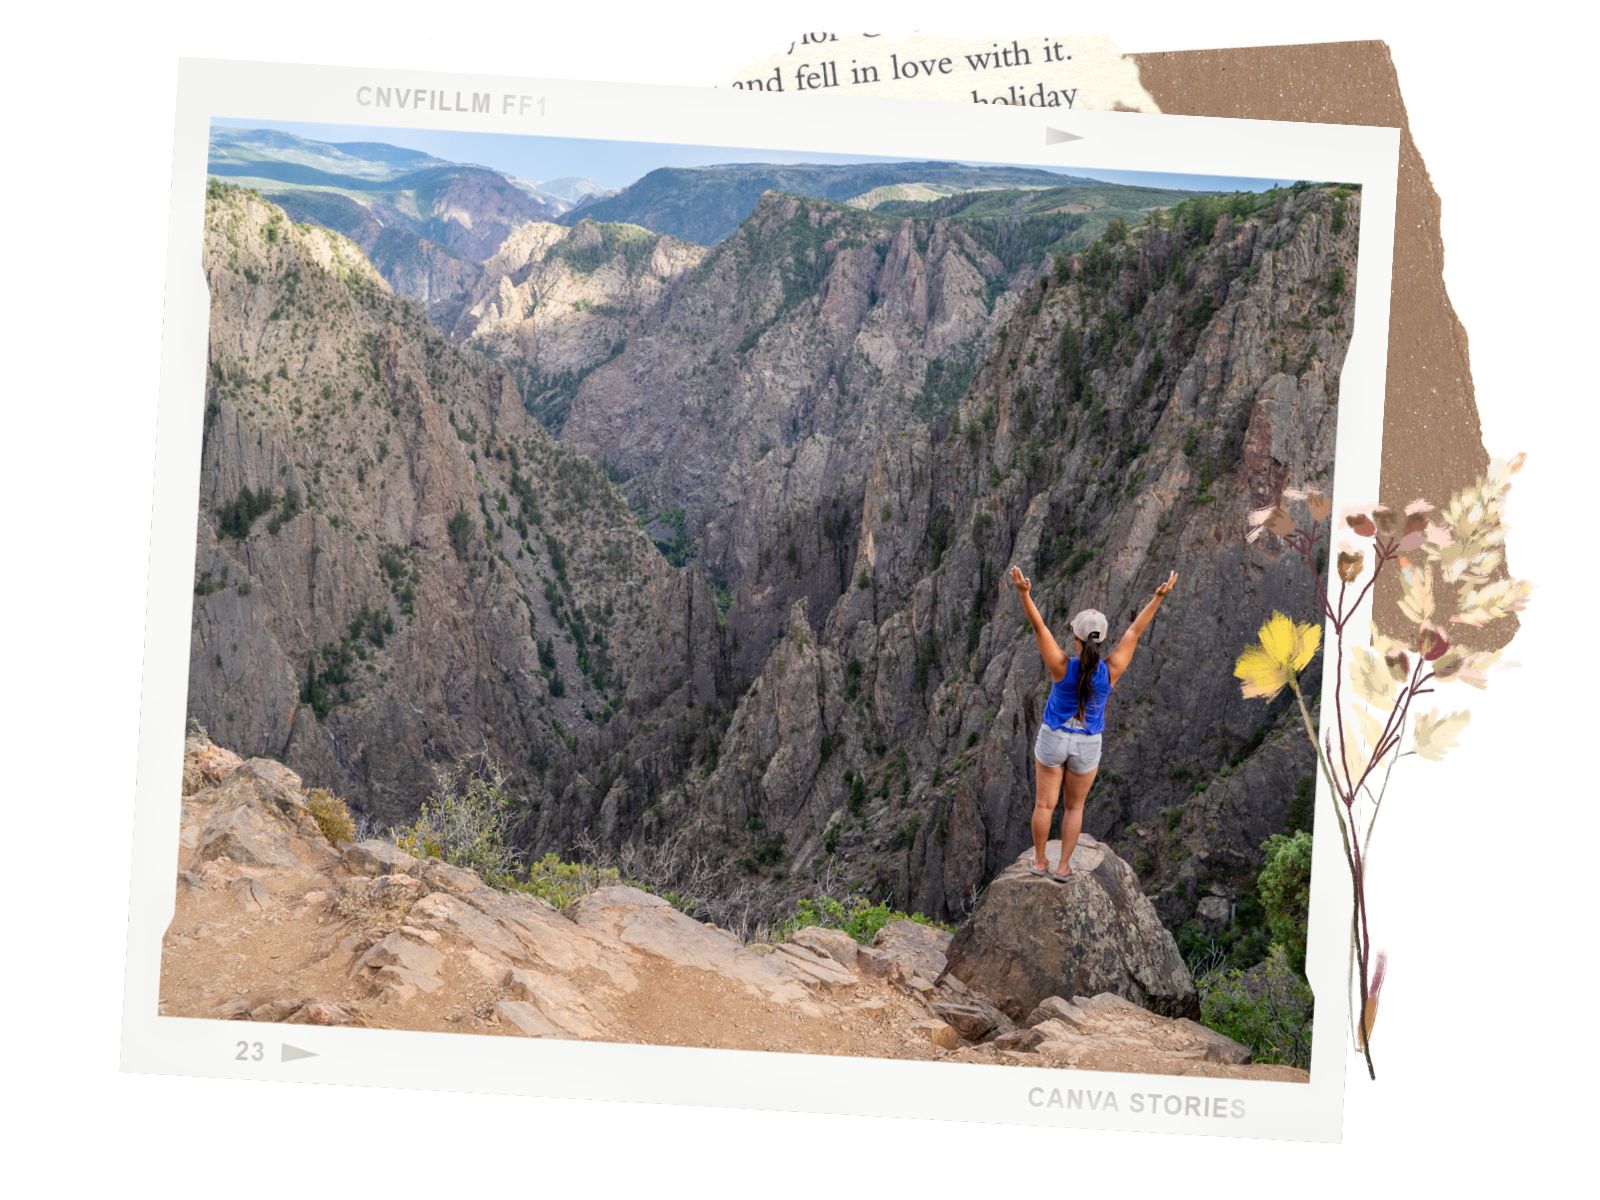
column 536, row 158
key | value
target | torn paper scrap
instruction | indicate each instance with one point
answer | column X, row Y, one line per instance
column 1034, row 72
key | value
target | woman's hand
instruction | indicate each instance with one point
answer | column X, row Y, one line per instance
column 1161, row 592
column 1020, row 581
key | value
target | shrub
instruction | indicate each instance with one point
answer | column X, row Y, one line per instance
column 236, row 516
column 857, row 916
column 1267, row 1008
column 466, row 821
column 460, row 530
column 561, row 883
column 332, row 816
column 1284, row 886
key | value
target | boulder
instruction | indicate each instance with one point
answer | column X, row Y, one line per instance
column 974, row 1022
column 1054, row 1008
column 256, row 816
column 875, row 964
column 1032, row 938
column 918, row 948
column 831, row 943
column 378, row 857
column 938, row 1032
column 1215, row 910
column 400, row 950
column 1020, row 1040
column 813, row 967
column 560, row 1001
column 205, row 764
column 248, row 834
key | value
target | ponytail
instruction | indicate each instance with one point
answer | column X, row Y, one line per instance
column 1088, row 664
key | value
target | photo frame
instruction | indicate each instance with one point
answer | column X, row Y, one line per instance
column 1362, row 157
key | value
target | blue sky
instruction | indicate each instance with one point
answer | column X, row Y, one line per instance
column 616, row 164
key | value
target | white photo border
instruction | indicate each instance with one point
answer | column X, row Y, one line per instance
column 1363, row 155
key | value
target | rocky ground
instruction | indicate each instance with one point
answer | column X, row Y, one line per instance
column 273, row 923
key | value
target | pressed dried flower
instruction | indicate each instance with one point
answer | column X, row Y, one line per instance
column 1399, row 664
column 1319, row 505
column 1361, row 524
column 1351, row 564
column 1282, row 650
column 1432, row 641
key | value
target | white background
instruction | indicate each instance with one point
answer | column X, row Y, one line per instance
column 1484, row 1043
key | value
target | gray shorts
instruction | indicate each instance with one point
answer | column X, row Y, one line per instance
column 1078, row 750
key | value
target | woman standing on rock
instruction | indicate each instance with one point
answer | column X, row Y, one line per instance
column 1068, row 745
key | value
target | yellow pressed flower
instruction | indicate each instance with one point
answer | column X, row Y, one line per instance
column 1282, row 650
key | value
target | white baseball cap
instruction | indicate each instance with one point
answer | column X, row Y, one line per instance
column 1090, row 625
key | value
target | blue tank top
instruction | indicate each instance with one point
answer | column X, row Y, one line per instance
column 1061, row 709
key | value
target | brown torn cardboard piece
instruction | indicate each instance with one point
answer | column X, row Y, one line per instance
column 1432, row 440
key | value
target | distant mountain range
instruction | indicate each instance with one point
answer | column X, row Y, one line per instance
column 273, row 162
column 358, row 188
column 554, row 277
column 706, row 204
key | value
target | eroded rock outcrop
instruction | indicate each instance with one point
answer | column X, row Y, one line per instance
column 1030, row 938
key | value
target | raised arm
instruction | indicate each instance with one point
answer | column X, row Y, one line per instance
column 1123, row 654
column 1055, row 660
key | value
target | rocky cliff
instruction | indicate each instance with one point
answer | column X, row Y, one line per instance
column 1137, row 402
column 396, row 566
column 750, row 405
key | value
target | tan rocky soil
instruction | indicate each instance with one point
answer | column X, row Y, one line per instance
column 274, row 924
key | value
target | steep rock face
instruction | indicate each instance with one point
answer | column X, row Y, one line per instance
column 753, row 398
column 396, row 565
column 560, row 301
column 1030, row 938
column 1137, row 404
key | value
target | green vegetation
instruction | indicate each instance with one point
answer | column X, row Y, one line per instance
column 235, row 518
column 466, row 821
column 1284, row 886
column 944, row 382
column 288, row 510
column 1251, row 979
column 605, row 241
column 562, row 883
column 678, row 548
column 1268, row 1008
column 329, row 673
column 460, row 531
column 857, row 916
column 332, row 816
column 400, row 568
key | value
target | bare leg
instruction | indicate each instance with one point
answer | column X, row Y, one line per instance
column 1076, row 792
column 1046, row 789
